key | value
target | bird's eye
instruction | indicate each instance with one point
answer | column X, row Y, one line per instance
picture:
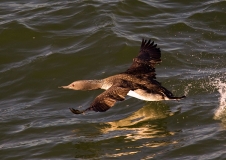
column 73, row 85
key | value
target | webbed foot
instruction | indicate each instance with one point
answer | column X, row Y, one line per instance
column 177, row 98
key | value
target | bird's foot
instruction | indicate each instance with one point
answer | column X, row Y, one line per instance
column 177, row 98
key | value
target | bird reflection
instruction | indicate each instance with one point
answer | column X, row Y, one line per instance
column 148, row 122
column 146, row 128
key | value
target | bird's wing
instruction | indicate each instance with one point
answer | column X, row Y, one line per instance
column 106, row 100
column 149, row 52
column 148, row 56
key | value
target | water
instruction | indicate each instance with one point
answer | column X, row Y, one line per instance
column 46, row 44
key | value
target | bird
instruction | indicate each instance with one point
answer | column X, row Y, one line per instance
column 138, row 81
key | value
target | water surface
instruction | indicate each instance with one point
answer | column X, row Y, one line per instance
column 46, row 44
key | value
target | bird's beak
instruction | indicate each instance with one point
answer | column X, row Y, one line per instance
column 65, row 87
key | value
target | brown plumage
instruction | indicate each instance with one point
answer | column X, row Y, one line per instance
column 138, row 81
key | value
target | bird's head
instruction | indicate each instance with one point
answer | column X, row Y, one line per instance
column 77, row 85
column 84, row 85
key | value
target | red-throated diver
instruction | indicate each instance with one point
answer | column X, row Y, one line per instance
column 138, row 81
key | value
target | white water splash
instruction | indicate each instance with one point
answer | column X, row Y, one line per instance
column 220, row 113
column 186, row 89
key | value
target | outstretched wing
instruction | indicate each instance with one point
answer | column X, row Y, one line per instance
column 106, row 100
column 148, row 56
column 149, row 52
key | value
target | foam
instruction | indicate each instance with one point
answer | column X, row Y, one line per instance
column 220, row 113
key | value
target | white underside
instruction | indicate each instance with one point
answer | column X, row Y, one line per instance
column 143, row 95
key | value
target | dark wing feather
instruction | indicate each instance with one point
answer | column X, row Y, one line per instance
column 149, row 52
column 148, row 56
column 106, row 100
